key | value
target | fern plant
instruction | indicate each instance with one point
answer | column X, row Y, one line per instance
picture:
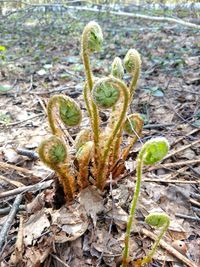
column 96, row 150
column 151, row 152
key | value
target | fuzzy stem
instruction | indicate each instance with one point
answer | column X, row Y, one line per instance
column 132, row 213
column 101, row 170
column 133, row 84
column 85, row 92
column 67, row 181
column 51, row 116
column 92, row 110
column 69, row 111
column 54, row 154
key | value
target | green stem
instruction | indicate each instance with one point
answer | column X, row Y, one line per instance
column 132, row 213
column 148, row 258
column 101, row 169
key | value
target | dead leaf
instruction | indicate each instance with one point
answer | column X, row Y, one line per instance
column 92, row 202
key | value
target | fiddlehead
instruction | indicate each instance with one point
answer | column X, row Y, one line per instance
column 132, row 126
column 53, row 153
column 92, row 39
column 69, row 112
column 83, row 157
column 151, row 152
column 82, row 137
column 158, row 220
column 117, row 69
column 106, row 93
column 132, row 63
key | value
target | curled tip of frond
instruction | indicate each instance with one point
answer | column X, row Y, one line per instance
column 133, row 124
column 70, row 112
column 82, row 137
column 132, row 61
column 105, row 93
column 154, row 150
column 117, row 68
column 94, row 36
column 85, row 151
column 157, row 219
column 52, row 151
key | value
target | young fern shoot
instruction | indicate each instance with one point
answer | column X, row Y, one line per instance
column 158, row 220
column 151, row 152
column 69, row 113
column 92, row 39
column 132, row 63
column 106, row 92
column 132, row 126
column 53, row 153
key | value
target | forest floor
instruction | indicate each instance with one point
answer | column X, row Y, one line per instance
column 40, row 57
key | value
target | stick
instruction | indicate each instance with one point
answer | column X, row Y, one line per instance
column 181, row 149
column 158, row 125
column 183, row 216
column 194, row 202
column 6, row 226
column 174, row 164
column 188, row 134
column 20, row 122
column 23, row 189
column 170, row 249
column 175, row 173
column 59, row 260
column 171, row 181
column 15, row 183
column 5, row 165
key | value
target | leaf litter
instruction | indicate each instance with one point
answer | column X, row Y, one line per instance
column 93, row 227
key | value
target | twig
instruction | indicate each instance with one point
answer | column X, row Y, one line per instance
column 174, row 164
column 194, row 195
column 183, row 216
column 175, row 173
column 6, row 210
column 186, row 135
column 158, row 125
column 5, row 165
column 28, row 153
column 194, row 202
column 41, row 104
column 6, row 226
column 15, row 183
column 170, row 249
column 171, row 181
column 23, row 189
column 58, row 259
column 181, row 149
column 20, row 122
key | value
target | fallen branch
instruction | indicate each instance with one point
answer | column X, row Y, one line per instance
column 7, row 225
column 170, row 249
column 23, row 189
column 136, row 15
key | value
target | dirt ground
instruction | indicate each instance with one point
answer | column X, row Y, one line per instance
column 42, row 58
